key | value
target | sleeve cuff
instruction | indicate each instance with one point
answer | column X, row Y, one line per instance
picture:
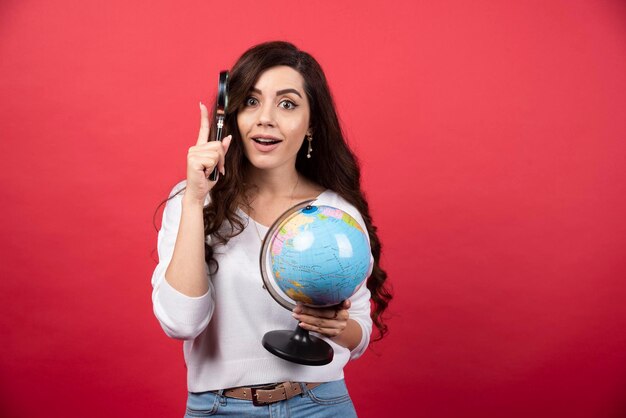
column 365, row 339
column 183, row 316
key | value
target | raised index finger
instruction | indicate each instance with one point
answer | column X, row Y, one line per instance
column 203, row 135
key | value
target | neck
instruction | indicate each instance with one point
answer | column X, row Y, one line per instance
column 273, row 183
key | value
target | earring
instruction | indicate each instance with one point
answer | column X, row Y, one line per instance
column 309, row 136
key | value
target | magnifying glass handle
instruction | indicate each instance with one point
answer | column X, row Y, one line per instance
column 218, row 137
column 221, row 105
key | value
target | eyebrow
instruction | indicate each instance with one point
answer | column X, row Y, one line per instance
column 280, row 92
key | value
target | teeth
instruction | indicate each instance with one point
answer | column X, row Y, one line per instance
column 265, row 140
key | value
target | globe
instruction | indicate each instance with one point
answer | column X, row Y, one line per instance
column 314, row 254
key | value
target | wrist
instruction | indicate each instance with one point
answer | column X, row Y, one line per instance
column 190, row 201
column 350, row 336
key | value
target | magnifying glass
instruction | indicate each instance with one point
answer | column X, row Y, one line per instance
column 220, row 113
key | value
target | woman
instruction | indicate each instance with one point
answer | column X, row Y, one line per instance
column 284, row 146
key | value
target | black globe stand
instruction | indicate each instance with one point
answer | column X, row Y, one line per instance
column 298, row 347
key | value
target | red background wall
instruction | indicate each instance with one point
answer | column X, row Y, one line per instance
column 491, row 136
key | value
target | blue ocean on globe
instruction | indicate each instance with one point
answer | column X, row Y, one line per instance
column 319, row 256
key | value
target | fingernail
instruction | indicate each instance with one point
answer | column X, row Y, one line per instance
column 223, row 171
column 295, row 315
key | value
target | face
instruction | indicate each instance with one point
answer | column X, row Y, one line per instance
column 274, row 119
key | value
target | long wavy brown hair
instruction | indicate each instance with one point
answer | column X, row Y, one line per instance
column 333, row 165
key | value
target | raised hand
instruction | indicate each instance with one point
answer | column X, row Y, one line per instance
column 202, row 158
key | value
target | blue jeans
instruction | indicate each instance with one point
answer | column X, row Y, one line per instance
column 328, row 400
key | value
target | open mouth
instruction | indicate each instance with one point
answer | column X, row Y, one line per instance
column 266, row 140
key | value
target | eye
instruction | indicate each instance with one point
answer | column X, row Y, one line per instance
column 251, row 101
column 288, row 105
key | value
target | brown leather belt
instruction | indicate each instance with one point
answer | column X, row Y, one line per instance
column 268, row 394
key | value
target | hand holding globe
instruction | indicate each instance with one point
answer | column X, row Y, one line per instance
column 329, row 322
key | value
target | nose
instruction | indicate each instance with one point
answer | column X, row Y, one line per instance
column 266, row 115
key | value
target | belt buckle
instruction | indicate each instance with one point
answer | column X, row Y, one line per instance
column 255, row 401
